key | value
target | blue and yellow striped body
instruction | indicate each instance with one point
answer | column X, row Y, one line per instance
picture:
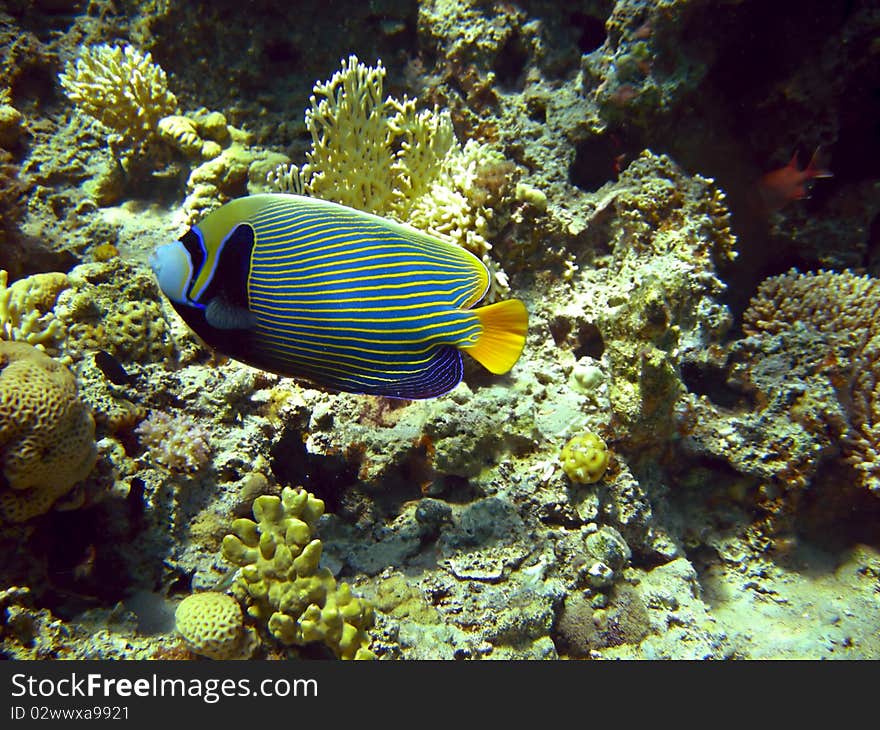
column 347, row 300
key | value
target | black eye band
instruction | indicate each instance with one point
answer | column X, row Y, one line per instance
column 195, row 246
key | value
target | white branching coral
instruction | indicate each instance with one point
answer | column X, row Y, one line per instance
column 122, row 88
column 384, row 156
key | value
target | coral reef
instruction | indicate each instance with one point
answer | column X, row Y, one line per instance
column 281, row 580
column 808, row 366
column 606, row 160
column 47, row 433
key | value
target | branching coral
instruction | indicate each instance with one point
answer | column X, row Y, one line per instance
column 385, row 157
column 842, row 311
column 123, row 89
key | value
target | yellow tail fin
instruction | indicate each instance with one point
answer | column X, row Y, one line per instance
column 504, row 335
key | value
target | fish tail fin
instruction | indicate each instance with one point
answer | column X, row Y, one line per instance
column 503, row 337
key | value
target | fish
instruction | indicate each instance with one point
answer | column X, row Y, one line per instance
column 112, row 368
column 779, row 187
column 344, row 299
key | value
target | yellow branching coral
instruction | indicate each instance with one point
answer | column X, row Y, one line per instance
column 351, row 160
column 383, row 156
column 843, row 311
column 282, row 583
column 122, row 88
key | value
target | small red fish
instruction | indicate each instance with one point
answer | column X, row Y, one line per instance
column 780, row 187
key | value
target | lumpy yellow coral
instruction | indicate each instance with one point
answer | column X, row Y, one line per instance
column 212, row 625
column 585, row 458
column 282, row 582
column 47, row 435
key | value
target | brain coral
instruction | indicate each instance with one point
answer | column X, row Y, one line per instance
column 212, row 626
column 47, row 435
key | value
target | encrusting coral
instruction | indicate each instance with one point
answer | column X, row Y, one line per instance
column 137, row 330
column 47, row 435
column 282, row 584
column 385, row 157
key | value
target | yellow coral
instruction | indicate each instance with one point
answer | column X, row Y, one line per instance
column 182, row 133
column 137, row 330
column 120, row 87
column 281, row 579
column 47, row 435
column 212, row 625
column 585, row 458
column 384, row 157
column 26, row 310
column 351, row 160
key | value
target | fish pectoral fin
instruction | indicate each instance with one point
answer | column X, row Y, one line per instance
column 224, row 315
column 503, row 337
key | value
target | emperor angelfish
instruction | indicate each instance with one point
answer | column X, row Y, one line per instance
column 347, row 300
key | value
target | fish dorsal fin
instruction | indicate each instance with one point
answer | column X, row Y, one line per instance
column 504, row 335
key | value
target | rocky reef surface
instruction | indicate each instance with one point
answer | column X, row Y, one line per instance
column 683, row 463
